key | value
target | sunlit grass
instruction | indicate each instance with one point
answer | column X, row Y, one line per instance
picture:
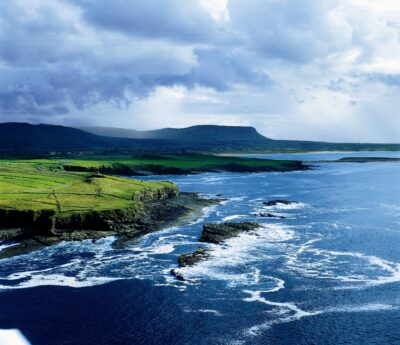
column 36, row 186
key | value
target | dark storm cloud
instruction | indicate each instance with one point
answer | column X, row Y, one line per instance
column 57, row 56
column 78, row 61
column 169, row 19
column 102, row 51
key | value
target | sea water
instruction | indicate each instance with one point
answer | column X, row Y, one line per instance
column 328, row 273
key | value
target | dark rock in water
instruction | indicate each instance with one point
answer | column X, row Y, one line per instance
column 27, row 246
column 177, row 275
column 277, row 202
column 219, row 195
column 192, row 258
column 15, row 233
column 81, row 235
column 271, row 215
column 217, row 233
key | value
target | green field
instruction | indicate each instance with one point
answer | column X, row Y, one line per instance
column 62, row 193
column 31, row 188
column 164, row 164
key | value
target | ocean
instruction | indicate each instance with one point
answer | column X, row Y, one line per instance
column 327, row 273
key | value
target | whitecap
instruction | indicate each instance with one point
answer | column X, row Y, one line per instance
column 361, row 269
column 12, row 337
column 290, row 312
column 235, row 216
column 7, row 245
column 164, row 249
column 205, row 311
column 281, row 206
column 225, row 260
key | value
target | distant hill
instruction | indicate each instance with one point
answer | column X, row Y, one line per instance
column 194, row 134
column 209, row 138
column 24, row 136
column 43, row 138
column 26, row 139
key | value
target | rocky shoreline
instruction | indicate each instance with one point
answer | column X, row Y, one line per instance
column 157, row 214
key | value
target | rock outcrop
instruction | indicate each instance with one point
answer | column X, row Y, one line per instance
column 212, row 233
column 193, row 258
column 217, row 233
column 277, row 202
column 271, row 215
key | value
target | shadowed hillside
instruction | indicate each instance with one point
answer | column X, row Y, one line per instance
column 43, row 138
column 195, row 134
column 26, row 139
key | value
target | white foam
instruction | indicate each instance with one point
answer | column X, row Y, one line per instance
column 235, row 216
column 162, row 238
column 371, row 307
column 213, row 180
column 361, row 269
column 12, row 337
column 290, row 311
column 164, row 249
column 239, row 198
column 280, row 284
column 4, row 246
column 57, row 280
column 206, row 311
column 291, row 206
column 226, row 259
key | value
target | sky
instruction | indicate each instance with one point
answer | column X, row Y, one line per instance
column 294, row 69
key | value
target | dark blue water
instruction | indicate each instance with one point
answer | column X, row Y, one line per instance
column 327, row 274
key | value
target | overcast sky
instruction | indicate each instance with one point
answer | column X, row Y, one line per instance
column 294, row 69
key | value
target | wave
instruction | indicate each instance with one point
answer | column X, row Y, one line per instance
column 89, row 264
column 229, row 261
column 205, row 311
column 12, row 337
column 235, row 216
column 4, row 245
column 361, row 269
column 289, row 312
column 291, row 206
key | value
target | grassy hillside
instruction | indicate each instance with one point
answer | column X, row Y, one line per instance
column 165, row 164
column 57, row 193
column 33, row 193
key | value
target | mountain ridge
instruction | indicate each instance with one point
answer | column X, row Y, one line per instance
column 25, row 139
column 194, row 134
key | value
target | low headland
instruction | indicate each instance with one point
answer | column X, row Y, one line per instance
column 163, row 164
column 367, row 160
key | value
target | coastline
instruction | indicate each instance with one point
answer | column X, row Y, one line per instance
column 157, row 214
column 294, row 153
column 45, row 202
